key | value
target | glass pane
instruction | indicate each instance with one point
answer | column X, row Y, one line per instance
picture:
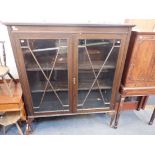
column 97, row 60
column 47, row 71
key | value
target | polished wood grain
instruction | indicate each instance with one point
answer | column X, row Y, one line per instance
column 140, row 68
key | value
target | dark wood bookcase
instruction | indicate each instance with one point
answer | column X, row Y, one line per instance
column 69, row 69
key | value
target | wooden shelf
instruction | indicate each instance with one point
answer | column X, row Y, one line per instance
column 104, row 84
column 50, row 102
column 94, row 100
column 46, row 66
column 63, row 66
column 96, row 65
column 95, row 95
column 39, row 86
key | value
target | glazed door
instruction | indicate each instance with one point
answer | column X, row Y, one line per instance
column 47, row 66
column 97, row 59
column 142, row 66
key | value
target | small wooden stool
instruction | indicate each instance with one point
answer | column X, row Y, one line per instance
column 10, row 118
column 152, row 117
column 11, row 108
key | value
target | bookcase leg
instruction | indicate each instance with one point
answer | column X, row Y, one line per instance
column 28, row 126
column 152, row 118
column 112, row 119
column 119, row 108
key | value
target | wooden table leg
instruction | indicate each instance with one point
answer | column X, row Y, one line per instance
column 145, row 98
column 119, row 108
column 140, row 103
column 152, row 118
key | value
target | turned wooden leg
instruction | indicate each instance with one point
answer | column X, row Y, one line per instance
column 28, row 129
column 142, row 103
column 152, row 118
column 119, row 108
column 28, row 126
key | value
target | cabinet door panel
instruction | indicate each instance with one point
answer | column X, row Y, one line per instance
column 97, row 59
column 47, row 71
column 151, row 75
column 138, row 74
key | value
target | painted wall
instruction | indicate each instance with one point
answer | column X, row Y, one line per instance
column 68, row 11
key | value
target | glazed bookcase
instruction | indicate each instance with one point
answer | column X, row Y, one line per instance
column 69, row 69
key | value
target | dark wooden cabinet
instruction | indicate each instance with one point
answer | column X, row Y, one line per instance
column 69, row 69
column 139, row 72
